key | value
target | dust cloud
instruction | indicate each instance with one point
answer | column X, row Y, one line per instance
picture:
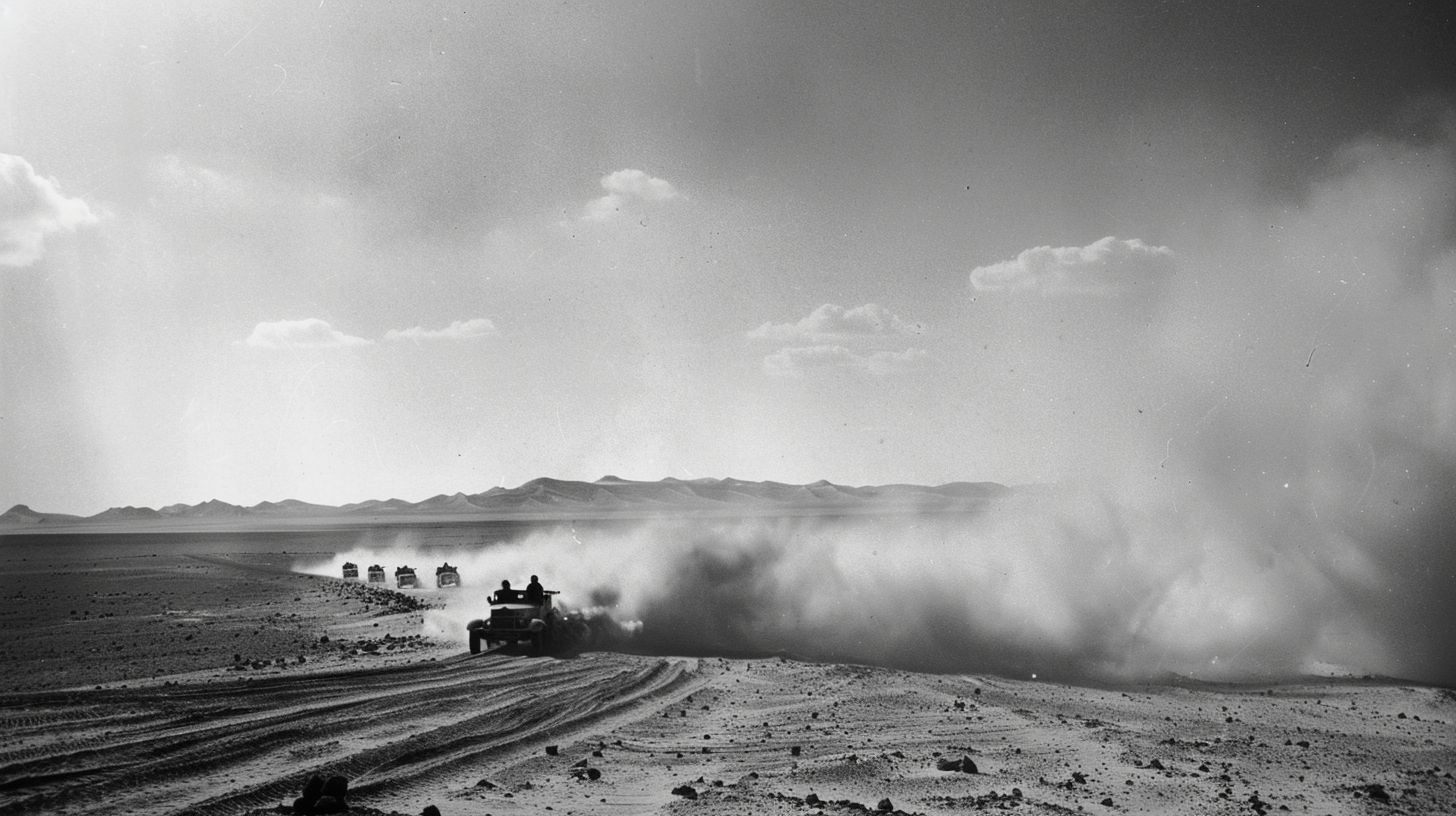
column 1280, row 499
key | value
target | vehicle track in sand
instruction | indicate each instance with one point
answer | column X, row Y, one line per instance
column 223, row 748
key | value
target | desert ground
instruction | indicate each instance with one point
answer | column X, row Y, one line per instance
column 155, row 676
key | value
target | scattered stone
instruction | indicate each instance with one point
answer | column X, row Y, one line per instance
column 963, row 765
column 1376, row 791
column 812, row 800
column 1106, row 802
column 685, row 791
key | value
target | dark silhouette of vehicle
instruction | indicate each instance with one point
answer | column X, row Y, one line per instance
column 404, row 578
column 351, row 570
column 513, row 621
column 376, row 574
column 447, row 576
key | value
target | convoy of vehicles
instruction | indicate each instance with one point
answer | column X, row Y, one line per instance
column 528, row 618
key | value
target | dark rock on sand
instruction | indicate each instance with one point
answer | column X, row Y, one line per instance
column 963, row 765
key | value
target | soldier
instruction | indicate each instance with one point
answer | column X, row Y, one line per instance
column 535, row 593
column 505, row 594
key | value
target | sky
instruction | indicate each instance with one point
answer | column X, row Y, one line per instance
column 1201, row 254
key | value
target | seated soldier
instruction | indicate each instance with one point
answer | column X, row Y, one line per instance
column 505, row 594
column 535, row 593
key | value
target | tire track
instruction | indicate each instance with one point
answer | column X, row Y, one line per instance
column 224, row 748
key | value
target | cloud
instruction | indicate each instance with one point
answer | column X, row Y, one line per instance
column 1107, row 267
column 458, row 330
column 307, row 333
column 625, row 188
column 795, row 361
column 833, row 322
column 31, row 207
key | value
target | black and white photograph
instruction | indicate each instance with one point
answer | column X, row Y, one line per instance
column 485, row 408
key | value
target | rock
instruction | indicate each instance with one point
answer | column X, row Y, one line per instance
column 685, row 791
column 885, row 805
column 963, row 765
column 552, row 750
column 485, row 783
column 302, row 806
column 1156, row 764
column 812, row 800
column 1106, row 802
column 430, row 810
column 329, row 804
column 579, row 764
column 593, row 774
column 314, row 787
column 795, row 751
column 337, row 787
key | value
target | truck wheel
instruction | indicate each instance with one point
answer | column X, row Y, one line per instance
column 474, row 641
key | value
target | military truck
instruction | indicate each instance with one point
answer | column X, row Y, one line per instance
column 351, row 570
column 404, row 578
column 514, row 620
column 447, row 576
column 376, row 574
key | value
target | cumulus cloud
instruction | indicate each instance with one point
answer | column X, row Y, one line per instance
column 31, row 208
column 626, row 188
column 832, row 322
column 795, row 361
column 307, row 333
column 1107, row 267
column 458, row 330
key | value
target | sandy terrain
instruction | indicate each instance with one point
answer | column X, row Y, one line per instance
column 200, row 681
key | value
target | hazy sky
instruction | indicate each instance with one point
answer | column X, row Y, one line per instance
column 336, row 251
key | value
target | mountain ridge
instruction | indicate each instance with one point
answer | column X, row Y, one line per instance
column 608, row 494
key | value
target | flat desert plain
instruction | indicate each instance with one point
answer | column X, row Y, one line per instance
column 211, row 675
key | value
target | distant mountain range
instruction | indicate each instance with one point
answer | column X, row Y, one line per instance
column 606, row 496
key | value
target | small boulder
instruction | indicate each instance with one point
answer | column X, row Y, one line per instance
column 685, row 791
column 963, row 765
column 337, row 787
column 430, row 810
column 885, row 805
column 329, row 804
column 552, row 750
column 314, row 787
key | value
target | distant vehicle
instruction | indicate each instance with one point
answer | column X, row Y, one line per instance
column 447, row 576
column 512, row 621
column 404, row 577
column 351, row 570
column 376, row 574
